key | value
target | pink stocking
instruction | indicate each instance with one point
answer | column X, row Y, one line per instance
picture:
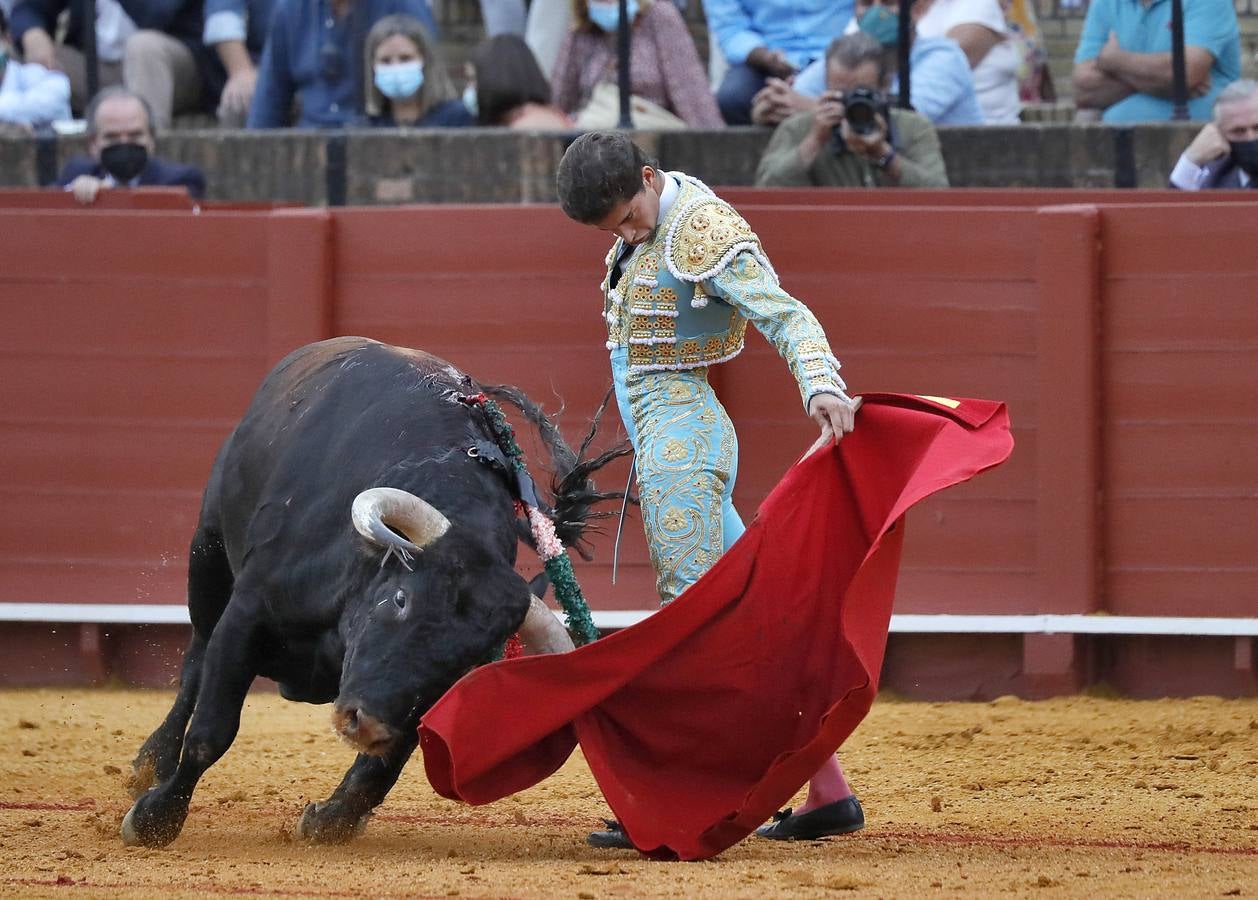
column 827, row 786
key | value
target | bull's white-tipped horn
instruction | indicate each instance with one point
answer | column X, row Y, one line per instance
column 380, row 513
column 542, row 632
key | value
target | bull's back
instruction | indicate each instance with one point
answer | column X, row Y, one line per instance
column 325, row 423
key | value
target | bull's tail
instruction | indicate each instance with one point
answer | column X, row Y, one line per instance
column 573, row 492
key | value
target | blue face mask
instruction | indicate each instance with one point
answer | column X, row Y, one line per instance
column 400, row 80
column 469, row 98
column 882, row 24
column 607, row 15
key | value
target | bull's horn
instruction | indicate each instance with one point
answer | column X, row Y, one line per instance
column 380, row 513
column 542, row 632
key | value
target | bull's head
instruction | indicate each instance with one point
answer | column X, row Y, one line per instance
column 440, row 606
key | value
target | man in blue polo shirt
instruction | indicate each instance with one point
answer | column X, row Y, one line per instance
column 1123, row 63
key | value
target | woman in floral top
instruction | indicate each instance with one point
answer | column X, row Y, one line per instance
column 664, row 66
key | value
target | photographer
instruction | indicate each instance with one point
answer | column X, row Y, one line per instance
column 853, row 138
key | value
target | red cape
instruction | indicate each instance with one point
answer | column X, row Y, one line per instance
column 701, row 721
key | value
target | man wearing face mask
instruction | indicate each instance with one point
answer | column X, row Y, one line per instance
column 1224, row 154
column 121, row 144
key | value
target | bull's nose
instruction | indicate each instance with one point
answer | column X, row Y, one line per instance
column 363, row 731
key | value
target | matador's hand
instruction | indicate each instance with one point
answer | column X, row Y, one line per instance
column 836, row 416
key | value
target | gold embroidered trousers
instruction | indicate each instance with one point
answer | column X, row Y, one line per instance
column 687, row 462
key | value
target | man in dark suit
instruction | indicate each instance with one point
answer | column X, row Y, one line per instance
column 120, row 133
column 1224, row 154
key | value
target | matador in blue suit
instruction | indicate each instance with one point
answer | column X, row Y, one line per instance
column 684, row 277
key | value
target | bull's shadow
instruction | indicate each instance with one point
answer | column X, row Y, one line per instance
column 357, row 545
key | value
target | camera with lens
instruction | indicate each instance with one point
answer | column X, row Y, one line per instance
column 861, row 108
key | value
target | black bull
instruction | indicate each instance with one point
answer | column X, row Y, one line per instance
column 357, row 545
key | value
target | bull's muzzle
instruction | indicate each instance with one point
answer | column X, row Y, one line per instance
column 364, row 732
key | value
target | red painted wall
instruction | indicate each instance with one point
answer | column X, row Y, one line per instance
column 1125, row 349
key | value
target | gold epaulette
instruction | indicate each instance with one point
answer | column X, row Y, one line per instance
column 705, row 236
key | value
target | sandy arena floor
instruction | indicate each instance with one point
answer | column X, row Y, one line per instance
column 1071, row 797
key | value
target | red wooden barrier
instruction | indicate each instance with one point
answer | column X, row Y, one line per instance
column 969, row 197
column 1180, row 340
column 146, row 198
column 1121, row 336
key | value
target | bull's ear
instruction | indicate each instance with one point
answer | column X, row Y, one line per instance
column 498, row 601
column 539, row 583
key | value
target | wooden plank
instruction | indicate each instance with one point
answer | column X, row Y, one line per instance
column 1178, row 459
column 114, row 389
column 1068, row 508
column 131, row 245
column 148, row 456
column 299, row 307
column 138, row 317
column 1206, row 240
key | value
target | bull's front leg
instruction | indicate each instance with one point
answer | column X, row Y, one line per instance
column 159, row 755
column 344, row 815
column 227, row 670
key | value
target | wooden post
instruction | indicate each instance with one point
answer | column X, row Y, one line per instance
column 300, row 269
column 1068, row 445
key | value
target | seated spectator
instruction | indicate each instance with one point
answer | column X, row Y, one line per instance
column 979, row 27
column 121, row 143
column 1224, row 154
column 152, row 47
column 510, row 89
column 669, row 86
column 1123, row 63
column 762, row 39
column 827, row 147
column 314, row 56
column 30, row 94
column 941, row 85
column 236, row 30
column 407, row 83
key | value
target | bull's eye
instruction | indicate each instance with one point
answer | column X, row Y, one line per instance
column 399, row 599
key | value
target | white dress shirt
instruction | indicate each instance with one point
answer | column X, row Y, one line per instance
column 1188, row 176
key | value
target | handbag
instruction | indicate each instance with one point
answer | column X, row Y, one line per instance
column 603, row 111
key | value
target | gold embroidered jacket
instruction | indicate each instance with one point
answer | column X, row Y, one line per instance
column 684, row 299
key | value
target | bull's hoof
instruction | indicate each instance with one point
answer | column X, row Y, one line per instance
column 142, row 827
column 324, row 823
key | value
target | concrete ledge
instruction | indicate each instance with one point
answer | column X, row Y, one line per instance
column 382, row 166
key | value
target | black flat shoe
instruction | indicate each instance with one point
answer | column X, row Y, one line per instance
column 613, row 838
column 840, row 817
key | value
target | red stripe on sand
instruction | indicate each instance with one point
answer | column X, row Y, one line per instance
column 50, row 807
column 159, row 889
column 936, row 837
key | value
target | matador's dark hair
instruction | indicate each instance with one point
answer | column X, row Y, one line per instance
column 599, row 170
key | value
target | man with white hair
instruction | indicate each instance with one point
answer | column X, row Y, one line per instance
column 1224, row 154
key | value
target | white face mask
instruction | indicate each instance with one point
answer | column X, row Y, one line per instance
column 400, row 80
column 606, row 13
